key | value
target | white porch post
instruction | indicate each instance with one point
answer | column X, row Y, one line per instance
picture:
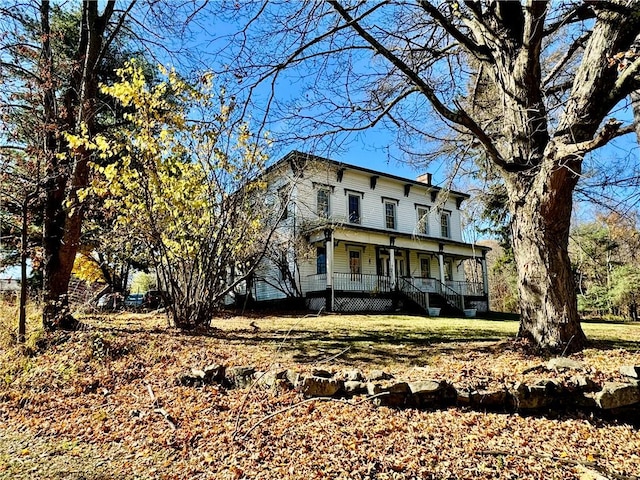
column 485, row 276
column 392, row 267
column 328, row 235
column 441, row 265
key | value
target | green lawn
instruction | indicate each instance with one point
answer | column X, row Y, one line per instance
column 391, row 340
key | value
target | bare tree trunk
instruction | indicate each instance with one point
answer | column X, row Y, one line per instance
column 540, row 226
column 64, row 213
column 22, row 320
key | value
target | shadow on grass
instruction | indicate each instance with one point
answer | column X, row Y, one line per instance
column 308, row 346
column 614, row 345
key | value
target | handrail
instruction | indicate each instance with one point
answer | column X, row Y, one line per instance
column 466, row 287
column 414, row 293
column 451, row 296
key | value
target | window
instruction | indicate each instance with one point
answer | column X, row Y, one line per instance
column 354, row 208
column 423, row 221
column 445, row 220
column 321, row 260
column 283, row 195
column 425, row 268
column 323, row 203
column 390, row 215
column 448, row 270
column 355, row 266
column 283, row 266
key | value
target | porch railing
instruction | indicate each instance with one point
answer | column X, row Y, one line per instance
column 465, row 288
column 314, row 283
column 453, row 291
column 452, row 297
column 360, row 282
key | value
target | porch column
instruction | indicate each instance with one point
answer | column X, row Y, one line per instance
column 328, row 235
column 392, row 262
column 485, row 274
column 392, row 267
column 441, row 265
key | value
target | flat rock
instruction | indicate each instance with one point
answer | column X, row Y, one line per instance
column 563, row 363
column 426, row 386
column 240, row 377
column 432, row 393
column 321, row 372
column 214, row 373
column 632, row 371
column 581, row 383
column 353, row 375
column 293, row 377
column 377, row 375
column 616, row 395
column 314, row 386
column 354, row 387
column 392, row 395
column 532, row 397
column 272, row 379
column 489, row 399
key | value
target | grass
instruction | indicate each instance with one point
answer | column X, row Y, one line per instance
column 393, row 339
column 80, row 407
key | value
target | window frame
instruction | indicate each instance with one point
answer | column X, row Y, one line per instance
column 357, row 219
column 321, row 260
column 422, row 224
column 445, row 224
column 284, row 198
column 394, row 214
column 323, row 209
column 355, row 254
column 448, row 270
column 425, row 261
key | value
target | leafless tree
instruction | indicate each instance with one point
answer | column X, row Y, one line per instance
column 557, row 71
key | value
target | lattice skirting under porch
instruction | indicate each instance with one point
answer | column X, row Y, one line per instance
column 352, row 304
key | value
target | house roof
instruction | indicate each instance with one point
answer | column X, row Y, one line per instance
column 295, row 157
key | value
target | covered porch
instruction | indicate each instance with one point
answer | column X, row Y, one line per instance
column 425, row 273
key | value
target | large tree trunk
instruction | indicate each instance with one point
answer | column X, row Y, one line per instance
column 63, row 213
column 540, row 227
column 56, row 260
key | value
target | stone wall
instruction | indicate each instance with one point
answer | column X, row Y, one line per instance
column 546, row 395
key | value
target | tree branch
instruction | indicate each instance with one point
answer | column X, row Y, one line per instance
column 459, row 116
column 479, row 51
column 573, row 48
column 609, row 131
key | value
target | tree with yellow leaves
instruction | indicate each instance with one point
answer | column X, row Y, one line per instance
column 180, row 179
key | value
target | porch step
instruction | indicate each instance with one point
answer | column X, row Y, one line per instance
column 447, row 310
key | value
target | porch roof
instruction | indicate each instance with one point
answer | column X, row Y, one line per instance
column 422, row 242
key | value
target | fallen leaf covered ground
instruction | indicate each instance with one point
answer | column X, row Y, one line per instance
column 81, row 407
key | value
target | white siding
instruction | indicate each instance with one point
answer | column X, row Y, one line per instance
column 303, row 216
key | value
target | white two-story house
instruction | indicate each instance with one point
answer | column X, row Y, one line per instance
column 354, row 239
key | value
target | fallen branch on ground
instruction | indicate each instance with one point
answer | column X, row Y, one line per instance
column 161, row 411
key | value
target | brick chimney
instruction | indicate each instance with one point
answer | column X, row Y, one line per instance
column 424, row 178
